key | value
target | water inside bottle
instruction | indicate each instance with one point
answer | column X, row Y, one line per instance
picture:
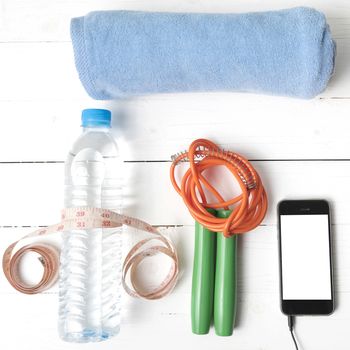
column 90, row 273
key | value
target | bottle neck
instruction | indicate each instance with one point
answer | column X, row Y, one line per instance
column 96, row 128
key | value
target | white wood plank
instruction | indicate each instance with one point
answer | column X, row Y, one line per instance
column 257, row 250
column 169, row 319
column 39, row 20
column 261, row 326
column 38, row 71
column 259, row 127
column 32, row 194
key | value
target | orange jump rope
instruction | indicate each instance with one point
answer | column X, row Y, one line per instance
column 251, row 203
column 214, row 269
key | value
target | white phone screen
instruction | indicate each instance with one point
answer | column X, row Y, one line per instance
column 305, row 254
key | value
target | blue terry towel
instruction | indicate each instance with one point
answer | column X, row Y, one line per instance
column 126, row 53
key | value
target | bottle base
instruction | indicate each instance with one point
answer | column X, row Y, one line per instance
column 88, row 336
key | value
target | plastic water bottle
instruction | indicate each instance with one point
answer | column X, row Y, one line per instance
column 90, row 267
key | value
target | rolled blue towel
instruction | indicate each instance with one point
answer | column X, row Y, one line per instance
column 128, row 53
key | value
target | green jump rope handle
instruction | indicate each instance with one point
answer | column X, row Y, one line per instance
column 225, row 293
column 203, row 279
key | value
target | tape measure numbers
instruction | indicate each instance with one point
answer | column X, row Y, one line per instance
column 84, row 218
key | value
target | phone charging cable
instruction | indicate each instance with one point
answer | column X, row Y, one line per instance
column 291, row 329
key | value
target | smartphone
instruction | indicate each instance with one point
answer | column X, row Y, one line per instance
column 305, row 254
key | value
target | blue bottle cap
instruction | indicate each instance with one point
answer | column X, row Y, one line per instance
column 96, row 118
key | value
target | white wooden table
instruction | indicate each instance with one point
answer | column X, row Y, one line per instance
column 301, row 149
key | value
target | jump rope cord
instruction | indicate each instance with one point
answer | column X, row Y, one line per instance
column 249, row 208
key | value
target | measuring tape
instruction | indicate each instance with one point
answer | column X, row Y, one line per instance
column 84, row 218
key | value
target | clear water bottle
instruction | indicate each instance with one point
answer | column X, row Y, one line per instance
column 90, row 267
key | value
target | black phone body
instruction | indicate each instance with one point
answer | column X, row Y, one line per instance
column 305, row 256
